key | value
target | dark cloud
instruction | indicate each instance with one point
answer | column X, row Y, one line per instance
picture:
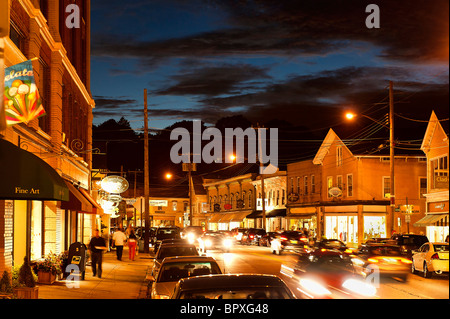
column 214, row 80
column 413, row 30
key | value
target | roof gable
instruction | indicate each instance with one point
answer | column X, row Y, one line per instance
column 325, row 147
column 432, row 129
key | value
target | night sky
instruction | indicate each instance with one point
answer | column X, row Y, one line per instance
column 304, row 62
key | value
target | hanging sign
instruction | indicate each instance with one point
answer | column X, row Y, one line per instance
column 114, row 184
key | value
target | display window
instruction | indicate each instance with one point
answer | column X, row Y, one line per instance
column 374, row 227
column 344, row 228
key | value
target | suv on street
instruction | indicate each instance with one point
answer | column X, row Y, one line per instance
column 408, row 242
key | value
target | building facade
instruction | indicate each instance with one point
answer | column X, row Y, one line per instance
column 435, row 145
column 274, row 202
column 230, row 201
column 345, row 196
column 60, row 55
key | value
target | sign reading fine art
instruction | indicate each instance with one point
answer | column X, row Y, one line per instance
column 22, row 101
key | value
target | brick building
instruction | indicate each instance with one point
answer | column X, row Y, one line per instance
column 32, row 226
column 345, row 196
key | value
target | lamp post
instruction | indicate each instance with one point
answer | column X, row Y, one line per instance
column 351, row 116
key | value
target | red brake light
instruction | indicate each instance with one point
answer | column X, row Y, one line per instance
column 435, row 256
column 283, row 238
column 251, row 236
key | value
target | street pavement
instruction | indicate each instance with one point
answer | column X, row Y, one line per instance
column 125, row 279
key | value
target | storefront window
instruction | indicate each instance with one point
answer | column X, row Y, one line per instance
column 344, row 228
column 374, row 227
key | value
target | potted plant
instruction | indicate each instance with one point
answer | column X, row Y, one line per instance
column 48, row 268
column 25, row 284
column 5, row 286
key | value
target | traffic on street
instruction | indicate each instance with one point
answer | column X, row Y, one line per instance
column 324, row 270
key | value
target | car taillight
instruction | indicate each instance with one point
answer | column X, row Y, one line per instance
column 372, row 260
column 304, row 239
column 435, row 256
column 251, row 236
column 283, row 238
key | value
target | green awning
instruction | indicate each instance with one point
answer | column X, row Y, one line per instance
column 25, row 176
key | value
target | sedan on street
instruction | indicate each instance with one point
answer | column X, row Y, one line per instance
column 175, row 268
column 431, row 258
column 232, row 286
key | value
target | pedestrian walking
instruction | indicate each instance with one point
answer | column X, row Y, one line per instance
column 119, row 239
column 97, row 245
column 132, row 245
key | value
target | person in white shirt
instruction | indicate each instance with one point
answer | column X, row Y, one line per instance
column 119, row 239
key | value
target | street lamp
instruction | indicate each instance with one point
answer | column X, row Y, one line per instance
column 351, row 116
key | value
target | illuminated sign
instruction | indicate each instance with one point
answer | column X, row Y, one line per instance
column 114, row 184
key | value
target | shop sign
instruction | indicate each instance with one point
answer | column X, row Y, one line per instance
column 441, row 181
column 438, row 207
column 159, row 202
column 114, row 184
column 293, row 197
column 335, row 192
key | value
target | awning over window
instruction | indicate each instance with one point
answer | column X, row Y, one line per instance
column 215, row 217
column 281, row 212
column 433, row 220
column 24, row 176
column 77, row 202
column 96, row 208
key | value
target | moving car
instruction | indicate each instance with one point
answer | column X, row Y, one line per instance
column 408, row 242
column 288, row 240
column 385, row 259
column 192, row 233
column 214, row 240
column 431, row 258
column 332, row 244
column 172, row 250
column 267, row 239
column 232, row 286
column 175, row 268
column 238, row 232
column 253, row 236
column 328, row 274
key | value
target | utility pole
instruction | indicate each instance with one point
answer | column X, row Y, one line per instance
column 261, row 166
column 391, row 153
column 146, row 178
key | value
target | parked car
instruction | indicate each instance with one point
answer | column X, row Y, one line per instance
column 175, row 268
column 385, row 259
column 214, row 240
column 167, row 241
column 431, row 258
column 192, row 233
column 172, row 250
column 232, row 286
column 408, row 242
column 253, row 236
column 329, row 274
column 288, row 241
column 166, row 233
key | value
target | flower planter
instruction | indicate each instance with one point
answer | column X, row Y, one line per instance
column 26, row 292
column 46, row 277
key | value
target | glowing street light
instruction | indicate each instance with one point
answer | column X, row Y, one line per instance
column 168, row 176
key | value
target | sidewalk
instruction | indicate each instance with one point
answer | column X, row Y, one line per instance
column 120, row 280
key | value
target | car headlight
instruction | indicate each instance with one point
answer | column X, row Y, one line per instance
column 360, row 287
column 227, row 243
column 161, row 297
column 314, row 287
